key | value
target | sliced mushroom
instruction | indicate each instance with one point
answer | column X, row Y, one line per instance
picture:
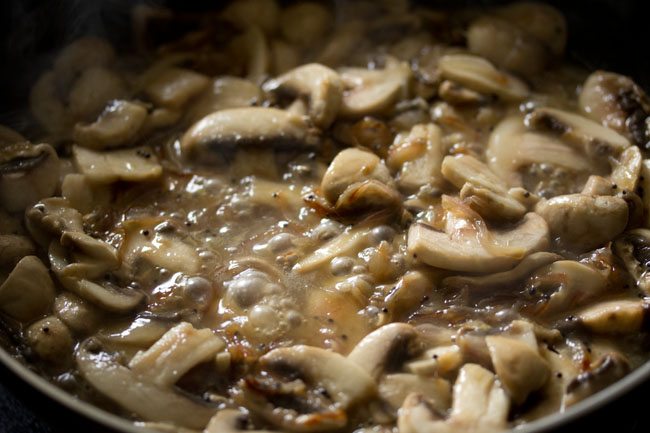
column 28, row 291
column 225, row 93
column 626, row 169
column 606, row 370
column 104, row 294
column 90, row 258
column 345, row 383
column 409, row 291
column 367, row 196
column 13, row 248
column 506, row 280
column 479, row 404
column 130, row 165
column 479, row 74
column 633, row 248
column 511, row 147
column 90, row 93
column 418, row 157
column 251, row 47
column 83, row 195
column 28, row 173
column 254, row 126
column 118, row 125
column 588, row 136
column 467, row 245
column 231, row 421
column 9, row 136
column 484, row 191
column 351, row 166
column 48, row 219
column 519, row 367
column 79, row 315
column 580, row 222
column 571, row 284
column 385, row 349
column 305, row 23
column 175, row 353
column 174, row 87
column 371, row 92
column 80, row 55
column 395, row 388
column 619, row 104
column 619, row 317
column 346, row 244
column 143, row 244
column 321, row 85
column 507, row 45
column 50, row 340
column 127, row 389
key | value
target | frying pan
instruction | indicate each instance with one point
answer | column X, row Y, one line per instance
column 603, row 34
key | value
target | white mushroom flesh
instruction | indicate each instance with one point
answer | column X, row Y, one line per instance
column 363, row 216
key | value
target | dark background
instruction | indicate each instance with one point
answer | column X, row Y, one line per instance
column 606, row 34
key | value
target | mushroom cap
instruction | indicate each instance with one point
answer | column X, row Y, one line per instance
column 462, row 251
column 250, row 126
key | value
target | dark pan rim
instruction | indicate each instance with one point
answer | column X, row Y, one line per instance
column 107, row 419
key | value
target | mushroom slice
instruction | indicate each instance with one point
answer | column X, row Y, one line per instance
column 167, row 250
column 175, row 353
column 104, row 294
column 252, row 126
column 50, row 340
column 174, row 87
column 632, row 248
column 511, row 147
column 225, row 93
column 13, row 248
column 507, row 45
column 626, row 169
column 506, row 280
column 117, row 126
column 91, row 258
column 606, row 370
column 130, row 165
column 28, row 291
column 619, row 317
column 540, row 20
column 479, row 404
column 385, row 349
column 28, row 173
column 580, row 222
column 418, row 157
column 347, row 243
column 577, row 282
column 479, row 74
column 373, row 91
column 618, row 103
column 394, row 388
column 321, row 85
column 351, row 166
column 484, row 191
column 519, row 367
column 468, row 246
column 231, row 421
column 252, row 44
column 51, row 217
column 345, row 381
column 588, row 136
column 127, row 389
column 366, row 196
column 345, row 384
